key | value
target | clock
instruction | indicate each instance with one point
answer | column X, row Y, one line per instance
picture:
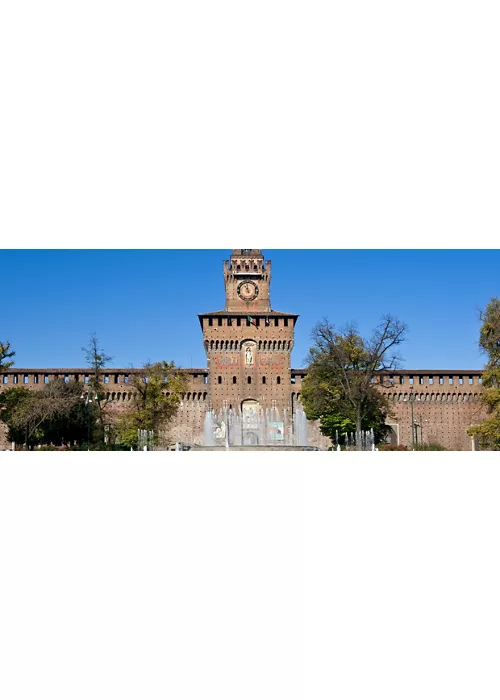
column 247, row 291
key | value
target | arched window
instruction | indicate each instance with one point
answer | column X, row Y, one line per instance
column 234, row 380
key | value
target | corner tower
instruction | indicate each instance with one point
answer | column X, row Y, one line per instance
column 248, row 344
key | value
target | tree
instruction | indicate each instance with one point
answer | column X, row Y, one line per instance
column 158, row 389
column 339, row 386
column 5, row 354
column 97, row 360
column 488, row 432
column 54, row 414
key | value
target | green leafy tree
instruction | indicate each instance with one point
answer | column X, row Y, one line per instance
column 5, row 354
column 339, row 387
column 97, row 403
column 488, row 432
column 157, row 392
column 53, row 414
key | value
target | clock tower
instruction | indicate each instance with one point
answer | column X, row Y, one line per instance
column 247, row 281
column 248, row 344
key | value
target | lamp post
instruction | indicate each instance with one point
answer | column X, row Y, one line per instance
column 88, row 403
column 412, row 398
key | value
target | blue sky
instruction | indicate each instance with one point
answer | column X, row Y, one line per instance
column 143, row 304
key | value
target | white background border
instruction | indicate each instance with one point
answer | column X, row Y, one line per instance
column 272, row 125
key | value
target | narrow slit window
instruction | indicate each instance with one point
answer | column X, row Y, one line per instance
column 263, row 380
column 234, row 380
column 219, row 380
column 249, row 380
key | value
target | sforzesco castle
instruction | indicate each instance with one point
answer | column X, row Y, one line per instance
column 248, row 346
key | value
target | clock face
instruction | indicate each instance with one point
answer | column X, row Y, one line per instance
column 247, row 290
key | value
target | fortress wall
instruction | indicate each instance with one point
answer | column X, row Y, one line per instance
column 445, row 403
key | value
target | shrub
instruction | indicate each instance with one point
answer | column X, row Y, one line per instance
column 431, row 446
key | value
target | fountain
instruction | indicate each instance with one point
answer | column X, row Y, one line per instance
column 255, row 427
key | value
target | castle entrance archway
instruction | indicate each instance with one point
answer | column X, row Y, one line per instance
column 252, row 423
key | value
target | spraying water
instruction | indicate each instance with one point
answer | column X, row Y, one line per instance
column 255, row 426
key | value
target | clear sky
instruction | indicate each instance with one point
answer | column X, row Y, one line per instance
column 143, row 304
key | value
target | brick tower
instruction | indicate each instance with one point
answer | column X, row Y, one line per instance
column 248, row 345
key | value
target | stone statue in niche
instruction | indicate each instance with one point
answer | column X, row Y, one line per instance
column 248, row 355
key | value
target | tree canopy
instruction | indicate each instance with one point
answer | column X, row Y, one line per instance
column 158, row 392
column 339, row 386
column 53, row 414
column 488, row 432
column 5, row 356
